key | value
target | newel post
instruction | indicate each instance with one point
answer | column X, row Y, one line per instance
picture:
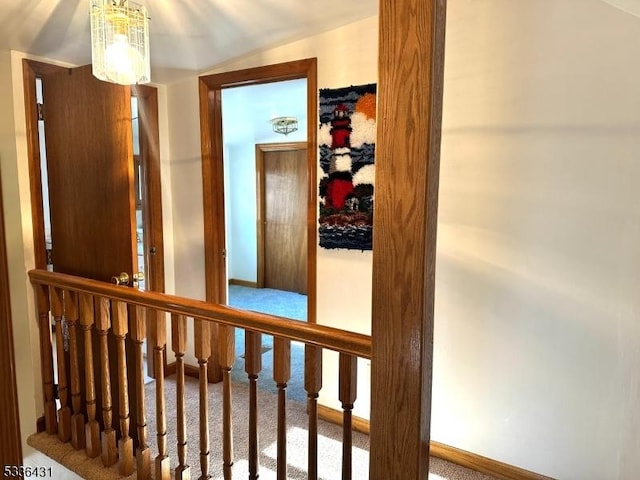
column 410, row 71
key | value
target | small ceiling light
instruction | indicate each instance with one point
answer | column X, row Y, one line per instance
column 284, row 125
column 120, row 42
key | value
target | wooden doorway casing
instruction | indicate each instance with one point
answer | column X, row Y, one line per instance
column 210, row 89
column 291, row 236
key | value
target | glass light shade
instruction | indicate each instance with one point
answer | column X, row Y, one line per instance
column 284, row 125
column 120, row 42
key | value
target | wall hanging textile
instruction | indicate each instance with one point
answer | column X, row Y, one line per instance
column 347, row 149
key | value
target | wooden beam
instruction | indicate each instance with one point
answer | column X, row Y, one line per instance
column 410, row 71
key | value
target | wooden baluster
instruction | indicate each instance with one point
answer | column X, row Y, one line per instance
column 179, row 346
column 125, row 443
column 281, row 375
column 77, row 420
column 253, row 366
column 108, row 440
column 348, row 375
column 227, row 342
column 162, row 462
column 92, row 428
column 46, row 358
column 202, row 332
column 138, row 329
column 313, row 385
column 64, row 412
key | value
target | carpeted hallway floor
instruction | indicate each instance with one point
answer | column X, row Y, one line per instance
column 330, row 447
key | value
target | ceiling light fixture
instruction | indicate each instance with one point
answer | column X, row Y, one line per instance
column 284, row 125
column 120, row 42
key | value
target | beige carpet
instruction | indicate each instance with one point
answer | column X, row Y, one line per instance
column 329, row 444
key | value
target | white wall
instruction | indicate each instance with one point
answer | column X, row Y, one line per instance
column 242, row 248
column 537, row 340
column 19, row 233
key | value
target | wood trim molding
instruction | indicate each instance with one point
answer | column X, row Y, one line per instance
column 153, row 231
column 210, row 94
column 334, row 416
column 463, row 458
column 243, row 283
column 482, row 464
column 150, row 152
column 32, row 69
column 212, row 166
column 189, row 370
column 11, row 451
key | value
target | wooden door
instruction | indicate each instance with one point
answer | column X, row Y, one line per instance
column 90, row 172
column 88, row 136
column 282, row 216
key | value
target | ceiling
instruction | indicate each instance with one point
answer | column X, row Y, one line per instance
column 629, row 6
column 247, row 112
column 185, row 37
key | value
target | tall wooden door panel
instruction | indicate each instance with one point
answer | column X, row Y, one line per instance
column 90, row 171
column 88, row 137
column 283, row 212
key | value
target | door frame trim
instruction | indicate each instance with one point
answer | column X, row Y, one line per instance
column 32, row 69
column 210, row 87
column 261, row 149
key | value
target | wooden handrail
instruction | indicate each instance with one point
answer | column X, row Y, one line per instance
column 311, row 334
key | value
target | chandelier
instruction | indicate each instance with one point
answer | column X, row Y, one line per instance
column 284, row 125
column 120, row 42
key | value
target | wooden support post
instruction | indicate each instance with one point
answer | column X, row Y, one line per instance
column 179, row 346
column 281, row 375
column 92, row 428
column 77, row 420
column 138, row 329
column 203, row 352
column 348, row 378
column 313, row 385
column 46, row 359
column 253, row 366
column 162, row 461
column 409, row 102
column 226, row 347
column 109, row 453
column 64, row 412
column 125, row 443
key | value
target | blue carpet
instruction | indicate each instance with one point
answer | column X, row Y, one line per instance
column 275, row 302
column 267, row 300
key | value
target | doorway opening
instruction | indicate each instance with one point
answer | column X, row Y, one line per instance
column 265, row 197
column 214, row 89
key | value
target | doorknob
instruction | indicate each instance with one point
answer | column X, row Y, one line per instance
column 122, row 279
column 137, row 278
